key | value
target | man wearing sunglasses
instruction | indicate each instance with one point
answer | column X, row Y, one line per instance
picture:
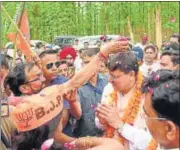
column 50, row 66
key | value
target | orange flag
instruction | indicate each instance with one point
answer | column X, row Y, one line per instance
column 22, row 43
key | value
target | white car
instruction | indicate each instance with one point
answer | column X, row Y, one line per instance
column 92, row 40
column 33, row 44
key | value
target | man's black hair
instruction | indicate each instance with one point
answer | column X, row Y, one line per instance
column 123, row 61
column 45, row 52
column 165, row 96
column 175, row 35
column 4, row 61
column 63, row 61
column 90, row 52
column 174, row 56
column 17, row 77
column 150, row 47
column 172, row 46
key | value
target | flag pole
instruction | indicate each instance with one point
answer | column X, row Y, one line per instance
column 18, row 30
column 18, row 25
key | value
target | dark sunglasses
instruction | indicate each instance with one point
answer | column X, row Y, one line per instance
column 50, row 65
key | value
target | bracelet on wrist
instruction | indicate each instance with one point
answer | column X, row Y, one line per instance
column 101, row 56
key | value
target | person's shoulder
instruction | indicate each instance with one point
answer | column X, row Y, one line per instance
column 84, row 88
column 59, row 79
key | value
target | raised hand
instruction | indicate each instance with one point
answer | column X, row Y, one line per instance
column 114, row 47
column 71, row 96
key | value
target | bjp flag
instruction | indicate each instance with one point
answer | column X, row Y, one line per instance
column 22, row 43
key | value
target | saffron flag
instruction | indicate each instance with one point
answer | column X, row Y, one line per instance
column 22, row 43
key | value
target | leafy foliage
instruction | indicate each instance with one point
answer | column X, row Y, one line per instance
column 49, row 19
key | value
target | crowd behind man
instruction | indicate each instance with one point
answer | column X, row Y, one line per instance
column 81, row 114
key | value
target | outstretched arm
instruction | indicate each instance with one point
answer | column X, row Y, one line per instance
column 90, row 69
column 59, row 136
column 97, row 143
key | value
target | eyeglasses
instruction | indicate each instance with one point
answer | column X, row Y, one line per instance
column 50, row 65
column 144, row 116
column 37, row 79
column 113, row 77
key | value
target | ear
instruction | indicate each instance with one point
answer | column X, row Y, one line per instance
column 171, row 132
column 24, row 89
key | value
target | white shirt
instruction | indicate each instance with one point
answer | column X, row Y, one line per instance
column 78, row 63
column 147, row 69
column 132, row 133
column 139, row 139
column 122, row 103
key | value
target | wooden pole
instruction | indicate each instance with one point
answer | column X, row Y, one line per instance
column 158, row 27
column 149, row 24
column 18, row 25
column 130, row 29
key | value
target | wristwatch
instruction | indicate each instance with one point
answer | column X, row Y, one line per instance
column 120, row 127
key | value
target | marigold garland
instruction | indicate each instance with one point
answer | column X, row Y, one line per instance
column 131, row 110
column 152, row 145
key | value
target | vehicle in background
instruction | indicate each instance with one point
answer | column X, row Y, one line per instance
column 33, row 44
column 92, row 40
column 64, row 40
column 9, row 45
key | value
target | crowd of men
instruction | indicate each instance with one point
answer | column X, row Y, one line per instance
column 84, row 110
